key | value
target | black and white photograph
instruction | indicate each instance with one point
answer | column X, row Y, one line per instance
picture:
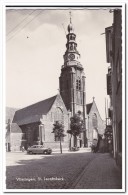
column 64, row 98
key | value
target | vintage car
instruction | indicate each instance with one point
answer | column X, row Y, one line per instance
column 38, row 149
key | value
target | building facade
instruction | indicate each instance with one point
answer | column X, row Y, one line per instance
column 114, row 80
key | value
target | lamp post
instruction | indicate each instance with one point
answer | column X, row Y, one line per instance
column 85, row 133
column 69, row 114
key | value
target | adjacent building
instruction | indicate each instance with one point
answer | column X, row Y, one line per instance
column 95, row 126
column 9, row 130
column 114, row 80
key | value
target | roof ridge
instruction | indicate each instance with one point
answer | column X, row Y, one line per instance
column 54, row 98
column 37, row 102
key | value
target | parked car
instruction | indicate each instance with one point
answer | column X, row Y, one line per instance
column 38, row 149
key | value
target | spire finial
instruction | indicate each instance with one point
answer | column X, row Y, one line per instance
column 70, row 13
column 93, row 98
column 70, row 27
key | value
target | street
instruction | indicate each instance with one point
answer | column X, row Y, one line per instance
column 76, row 170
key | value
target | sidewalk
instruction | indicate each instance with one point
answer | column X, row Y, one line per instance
column 101, row 173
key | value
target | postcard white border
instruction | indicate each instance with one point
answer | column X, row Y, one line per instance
column 2, row 86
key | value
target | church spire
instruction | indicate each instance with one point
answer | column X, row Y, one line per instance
column 71, row 56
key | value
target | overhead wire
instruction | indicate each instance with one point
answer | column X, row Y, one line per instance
column 20, row 23
column 24, row 26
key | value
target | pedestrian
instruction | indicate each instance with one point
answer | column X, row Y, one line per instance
column 94, row 145
column 93, row 148
column 22, row 149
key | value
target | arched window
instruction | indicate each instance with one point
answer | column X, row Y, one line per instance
column 95, row 134
column 71, row 47
column 58, row 116
column 94, row 121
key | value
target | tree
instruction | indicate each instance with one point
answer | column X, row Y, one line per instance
column 76, row 126
column 58, row 130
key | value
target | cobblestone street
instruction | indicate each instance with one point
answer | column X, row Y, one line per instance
column 78, row 170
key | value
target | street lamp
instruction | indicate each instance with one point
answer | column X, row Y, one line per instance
column 69, row 114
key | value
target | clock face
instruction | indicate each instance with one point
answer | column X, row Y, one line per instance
column 71, row 56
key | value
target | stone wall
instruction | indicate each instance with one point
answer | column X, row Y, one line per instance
column 49, row 119
column 56, row 145
column 16, row 141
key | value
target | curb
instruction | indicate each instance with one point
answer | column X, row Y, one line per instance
column 81, row 175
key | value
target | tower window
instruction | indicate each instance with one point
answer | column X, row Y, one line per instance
column 71, row 37
column 78, row 84
column 71, row 47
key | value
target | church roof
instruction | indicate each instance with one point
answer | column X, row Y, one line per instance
column 88, row 107
column 33, row 113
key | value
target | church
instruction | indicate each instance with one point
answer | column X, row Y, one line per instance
column 34, row 123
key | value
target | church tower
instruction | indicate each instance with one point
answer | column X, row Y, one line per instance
column 72, row 78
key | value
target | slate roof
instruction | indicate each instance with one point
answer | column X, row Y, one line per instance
column 88, row 107
column 34, row 112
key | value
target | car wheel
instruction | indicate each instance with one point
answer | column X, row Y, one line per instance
column 45, row 152
column 30, row 152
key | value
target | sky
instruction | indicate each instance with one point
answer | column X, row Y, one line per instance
column 36, row 43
